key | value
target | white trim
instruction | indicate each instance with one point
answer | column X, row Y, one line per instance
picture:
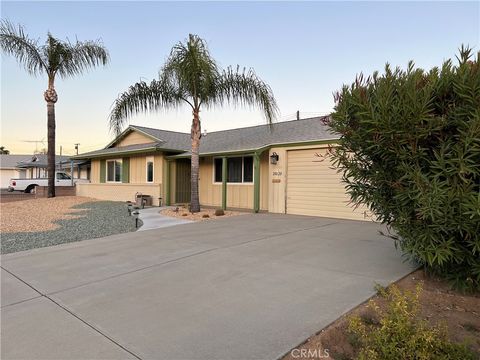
column 243, row 169
column 114, row 171
column 149, row 159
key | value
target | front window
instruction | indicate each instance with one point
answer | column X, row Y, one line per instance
column 239, row 169
column 114, row 170
column 63, row 176
column 150, row 169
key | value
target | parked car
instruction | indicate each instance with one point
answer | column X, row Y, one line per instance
column 28, row 185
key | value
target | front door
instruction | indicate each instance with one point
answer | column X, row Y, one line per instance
column 182, row 181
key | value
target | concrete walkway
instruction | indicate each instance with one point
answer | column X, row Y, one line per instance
column 245, row 287
column 152, row 219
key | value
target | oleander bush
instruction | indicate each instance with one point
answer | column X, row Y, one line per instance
column 410, row 151
column 399, row 334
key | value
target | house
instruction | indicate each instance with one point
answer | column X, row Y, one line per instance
column 280, row 168
column 35, row 166
column 9, row 169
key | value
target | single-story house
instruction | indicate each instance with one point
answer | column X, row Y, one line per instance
column 279, row 168
column 35, row 166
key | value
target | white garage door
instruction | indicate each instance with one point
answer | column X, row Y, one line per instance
column 314, row 188
column 5, row 176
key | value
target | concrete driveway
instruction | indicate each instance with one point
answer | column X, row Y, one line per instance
column 246, row 287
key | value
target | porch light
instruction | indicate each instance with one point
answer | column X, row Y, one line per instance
column 274, row 158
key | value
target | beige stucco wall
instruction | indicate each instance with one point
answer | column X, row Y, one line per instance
column 119, row 192
column 238, row 195
column 134, row 138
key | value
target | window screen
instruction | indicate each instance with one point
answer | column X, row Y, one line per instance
column 149, row 171
column 110, row 170
column 248, row 169
column 118, row 171
column 234, row 169
column 218, row 170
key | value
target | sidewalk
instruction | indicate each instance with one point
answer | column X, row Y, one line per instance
column 152, row 219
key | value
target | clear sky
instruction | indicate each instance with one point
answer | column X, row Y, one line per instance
column 304, row 50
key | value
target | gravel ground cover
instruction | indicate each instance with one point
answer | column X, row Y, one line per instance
column 96, row 219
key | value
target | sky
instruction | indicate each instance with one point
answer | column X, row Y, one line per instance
column 304, row 50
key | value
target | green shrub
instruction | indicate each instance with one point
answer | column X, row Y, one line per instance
column 399, row 335
column 410, row 150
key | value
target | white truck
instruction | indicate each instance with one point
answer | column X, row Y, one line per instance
column 28, row 185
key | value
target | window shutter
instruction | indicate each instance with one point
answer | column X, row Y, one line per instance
column 103, row 170
column 125, row 170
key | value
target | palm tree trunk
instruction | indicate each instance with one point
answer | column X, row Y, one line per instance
column 195, row 163
column 51, row 98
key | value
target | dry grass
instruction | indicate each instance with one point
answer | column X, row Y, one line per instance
column 39, row 214
column 204, row 214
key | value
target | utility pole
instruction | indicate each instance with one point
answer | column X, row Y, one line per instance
column 76, row 147
column 60, row 165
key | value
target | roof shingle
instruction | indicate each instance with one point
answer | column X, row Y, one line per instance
column 241, row 139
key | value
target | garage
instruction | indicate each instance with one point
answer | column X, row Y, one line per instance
column 315, row 188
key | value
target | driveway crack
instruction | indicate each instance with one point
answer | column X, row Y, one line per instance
column 64, row 308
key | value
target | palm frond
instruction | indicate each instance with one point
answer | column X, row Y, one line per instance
column 192, row 68
column 142, row 97
column 245, row 88
column 15, row 42
column 79, row 57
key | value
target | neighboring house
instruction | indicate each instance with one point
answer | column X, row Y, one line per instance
column 35, row 166
column 283, row 168
column 9, row 169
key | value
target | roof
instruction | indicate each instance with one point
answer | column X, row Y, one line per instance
column 233, row 140
column 38, row 160
column 10, row 161
column 120, row 150
column 260, row 136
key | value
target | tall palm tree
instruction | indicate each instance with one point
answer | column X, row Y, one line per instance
column 191, row 76
column 53, row 58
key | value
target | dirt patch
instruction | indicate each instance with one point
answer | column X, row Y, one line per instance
column 438, row 305
column 181, row 212
column 39, row 214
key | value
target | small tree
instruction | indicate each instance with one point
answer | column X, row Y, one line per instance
column 4, row 151
column 410, row 150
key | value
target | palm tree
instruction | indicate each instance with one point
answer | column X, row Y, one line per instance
column 53, row 58
column 191, row 76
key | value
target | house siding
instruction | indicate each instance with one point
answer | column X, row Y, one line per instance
column 133, row 138
column 137, row 180
column 238, row 195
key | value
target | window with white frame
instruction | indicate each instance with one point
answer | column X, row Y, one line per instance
column 149, row 169
column 114, row 170
column 239, row 169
